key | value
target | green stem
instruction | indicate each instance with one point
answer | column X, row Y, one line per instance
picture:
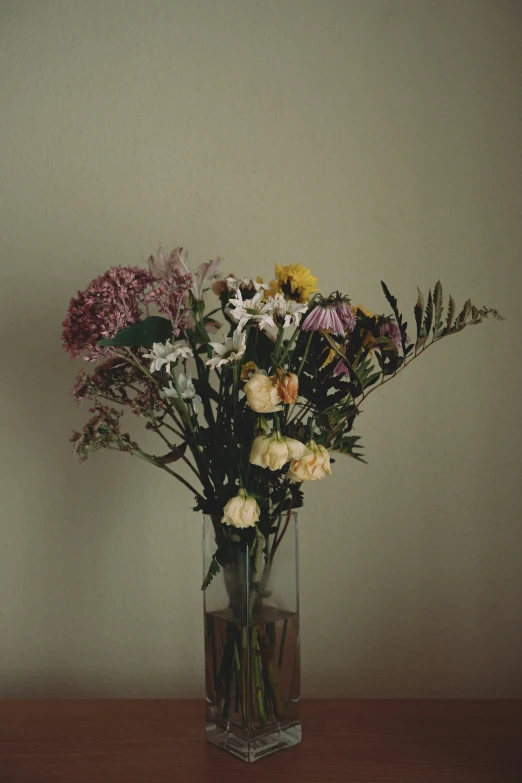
column 257, row 680
column 279, row 342
column 290, row 343
column 308, row 343
column 137, row 452
column 172, row 447
column 267, row 657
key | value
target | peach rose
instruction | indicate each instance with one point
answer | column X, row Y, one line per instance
column 262, row 394
column 288, row 387
column 273, row 451
column 313, row 466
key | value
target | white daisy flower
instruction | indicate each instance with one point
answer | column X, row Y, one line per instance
column 229, row 351
column 188, row 392
column 286, row 310
column 245, row 310
column 166, row 354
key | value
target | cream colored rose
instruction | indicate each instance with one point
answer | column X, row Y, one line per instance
column 273, row 451
column 241, row 511
column 313, row 466
column 262, row 395
column 288, row 387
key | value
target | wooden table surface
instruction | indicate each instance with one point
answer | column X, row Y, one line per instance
column 369, row 741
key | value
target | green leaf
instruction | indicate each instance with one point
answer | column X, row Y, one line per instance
column 391, row 299
column 153, row 329
column 463, row 316
column 428, row 317
column 438, row 326
column 398, row 316
column 347, row 444
column 419, row 311
column 452, row 308
column 224, row 554
column 485, row 311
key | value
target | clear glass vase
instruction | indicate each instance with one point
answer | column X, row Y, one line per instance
column 252, row 664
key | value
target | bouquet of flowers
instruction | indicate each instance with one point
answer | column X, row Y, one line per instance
column 254, row 394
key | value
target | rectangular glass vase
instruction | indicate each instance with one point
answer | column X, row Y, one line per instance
column 252, row 663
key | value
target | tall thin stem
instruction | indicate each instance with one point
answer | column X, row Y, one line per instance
column 303, row 360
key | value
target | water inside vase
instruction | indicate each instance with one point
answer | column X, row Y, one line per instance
column 252, row 672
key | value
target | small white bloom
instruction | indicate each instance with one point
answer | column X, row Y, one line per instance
column 241, row 511
column 188, row 392
column 205, row 274
column 229, row 351
column 286, row 309
column 166, row 354
column 245, row 310
column 186, row 387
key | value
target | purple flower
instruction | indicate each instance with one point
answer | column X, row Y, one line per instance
column 323, row 317
column 341, row 369
column 346, row 314
column 391, row 329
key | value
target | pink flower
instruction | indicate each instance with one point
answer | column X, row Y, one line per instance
column 205, row 274
column 162, row 265
column 171, row 297
column 346, row 314
column 391, row 329
column 341, row 369
column 110, row 303
column 323, row 317
column 102, row 430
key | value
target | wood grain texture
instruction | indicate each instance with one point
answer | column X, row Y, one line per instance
column 345, row 741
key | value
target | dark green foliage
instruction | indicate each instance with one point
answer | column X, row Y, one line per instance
column 419, row 312
column 398, row 317
column 225, row 553
column 438, row 304
column 347, row 444
column 452, row 308
column 428, row 315
column 153, row 329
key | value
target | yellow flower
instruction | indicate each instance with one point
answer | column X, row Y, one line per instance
column 331, row 354
column 368, row 341
column 295, row 282
column 363, row 310
column 247, row 369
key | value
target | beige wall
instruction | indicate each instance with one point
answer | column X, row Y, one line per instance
column 365, row 138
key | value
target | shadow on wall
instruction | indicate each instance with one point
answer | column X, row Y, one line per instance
column 55, row 515
column 85, row 556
